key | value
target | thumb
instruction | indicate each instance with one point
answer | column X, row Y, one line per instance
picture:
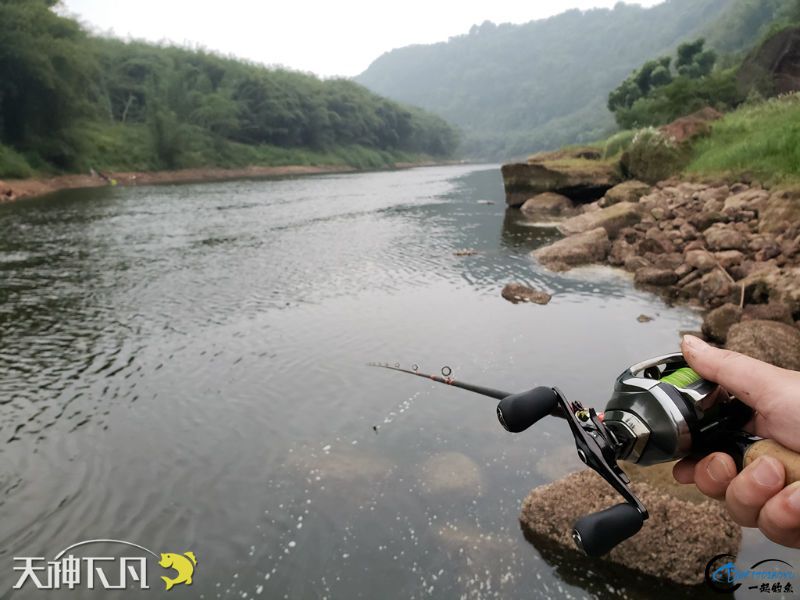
column 746, row 378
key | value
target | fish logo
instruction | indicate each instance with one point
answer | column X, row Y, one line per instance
column 183, row 564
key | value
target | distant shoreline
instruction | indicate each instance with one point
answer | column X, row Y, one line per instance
column 12, row 190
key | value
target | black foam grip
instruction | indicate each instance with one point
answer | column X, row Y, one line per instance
column 598, row 533
column 517, row 412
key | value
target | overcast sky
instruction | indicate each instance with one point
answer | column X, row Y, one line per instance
column 328, row 38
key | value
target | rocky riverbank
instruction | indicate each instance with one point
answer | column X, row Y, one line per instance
column 732, row 250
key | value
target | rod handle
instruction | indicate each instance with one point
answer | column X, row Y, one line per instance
column 789, row 458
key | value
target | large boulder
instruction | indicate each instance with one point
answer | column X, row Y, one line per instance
column 580, row 179
column 613, row 219
column 692, row 126
column 583, row 248
column 548, row 203
column 627, row 191
column 770, row 341
column 679, row 533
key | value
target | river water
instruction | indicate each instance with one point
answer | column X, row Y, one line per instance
column 184, row 367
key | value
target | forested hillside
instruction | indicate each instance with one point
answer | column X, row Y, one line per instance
column 520, row 88
column 71, row 101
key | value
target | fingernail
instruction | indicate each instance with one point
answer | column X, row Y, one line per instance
column 766, row 472
column 694, row 343
column 794, row 497
column 720, row 470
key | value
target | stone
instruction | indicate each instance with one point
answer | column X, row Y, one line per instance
column 518, row 292
column 613, row 219
column 749, row 200
column 627, row 191
column 715, row 287
column 548, row 203
column 583, row 248
column 634, row 263
column 580, row 179
column 729, row 258
column 644, row 318
column 692, row 126
column 655, row 276
column 679, row 533
column 773, row 65
column 722, row 237
column 703, row 220
column 717, row 322
column 772, row 311
column 701, row 259
column 780, row 209
column 770, row 341
column 620, row 252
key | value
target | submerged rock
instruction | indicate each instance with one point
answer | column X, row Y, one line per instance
column 583, row 248
column 770, row 341
column 517, row 292
column 675, row 543
column 451, row 472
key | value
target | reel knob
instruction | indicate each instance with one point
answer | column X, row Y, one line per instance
column 597, row 533
column 517, row 412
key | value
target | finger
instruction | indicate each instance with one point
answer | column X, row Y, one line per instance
column 683, row 470
column 746, row 378
column 752, row 488
column 714, row 473
column 779, row 520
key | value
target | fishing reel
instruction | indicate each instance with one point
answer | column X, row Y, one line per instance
column 660, row 411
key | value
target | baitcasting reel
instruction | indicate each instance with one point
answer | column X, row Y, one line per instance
column 660, row 411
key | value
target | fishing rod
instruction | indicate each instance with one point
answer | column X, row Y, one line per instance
column 660, row 411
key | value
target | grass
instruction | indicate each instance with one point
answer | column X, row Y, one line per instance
column 118, row 147
column 760, row 141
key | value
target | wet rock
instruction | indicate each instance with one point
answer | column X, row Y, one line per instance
column 770, row 341
column 644, row 319
column 721, row 237
column 451, row 472
column 773, row 311
column 620, row 252
column 517, row 292
column 718, row 322
column 655, row 276
column 465, row 252
column 702, row 260
column 583, row 248
column 627, row 191
column 613, row 219
column 634, row 263
column 548, row 203
column 678, row 533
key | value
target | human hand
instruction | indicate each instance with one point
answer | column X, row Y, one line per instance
column 756, row 497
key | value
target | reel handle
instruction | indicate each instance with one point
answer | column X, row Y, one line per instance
column 597, row 533
column 789, row 458
column 517, row 412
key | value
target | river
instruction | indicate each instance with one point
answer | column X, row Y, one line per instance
column 184, row 367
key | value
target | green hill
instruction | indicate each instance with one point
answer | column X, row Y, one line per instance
column 514, row 89
column 70, row 101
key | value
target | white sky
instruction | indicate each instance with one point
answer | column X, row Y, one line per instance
column 340, row 37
